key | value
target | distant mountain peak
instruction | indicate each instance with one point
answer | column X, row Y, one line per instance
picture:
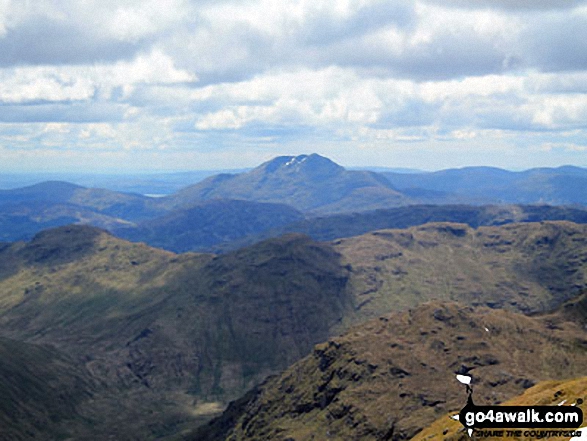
column 313, row 163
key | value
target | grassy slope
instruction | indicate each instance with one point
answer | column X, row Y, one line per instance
column 89, row 294
column 180, row 335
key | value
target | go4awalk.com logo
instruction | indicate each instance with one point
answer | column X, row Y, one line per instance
column 537, row 422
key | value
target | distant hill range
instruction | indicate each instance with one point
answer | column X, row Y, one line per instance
column 28, row 210
column 553, row 186
column 210, row 224
column 307, row 193
column 102, row 338
column 326, row 228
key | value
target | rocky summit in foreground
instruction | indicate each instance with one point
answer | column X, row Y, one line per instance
column 393, row 376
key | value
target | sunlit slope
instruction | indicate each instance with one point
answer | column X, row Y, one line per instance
column 546, row 393
column 74, row 279
column 389, row 378
column 177, row 335
column 180, row 335
column 527, row 267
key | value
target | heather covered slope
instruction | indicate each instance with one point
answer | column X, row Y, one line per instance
column 389, row 378
column 528, row 267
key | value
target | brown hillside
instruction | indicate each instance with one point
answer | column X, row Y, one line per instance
column 545, row 393
column 527, row 267
column 391, row 377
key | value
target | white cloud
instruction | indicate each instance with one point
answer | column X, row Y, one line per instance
column 327, row 96
column 558, row 111
column 134, row 20
column 191, row 77
column 20, row 85
column 74, row 83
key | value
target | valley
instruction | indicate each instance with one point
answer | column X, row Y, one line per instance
column 289, row 312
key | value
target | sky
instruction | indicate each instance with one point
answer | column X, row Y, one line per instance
column 168, row 85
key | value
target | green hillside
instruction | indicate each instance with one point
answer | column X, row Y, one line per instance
column 527, row 267
column 173, row 337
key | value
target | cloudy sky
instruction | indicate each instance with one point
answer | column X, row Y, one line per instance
column 209, row 84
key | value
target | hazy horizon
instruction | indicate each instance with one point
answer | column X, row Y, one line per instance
column 155, row 172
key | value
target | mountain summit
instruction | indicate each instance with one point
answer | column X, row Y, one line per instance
column 306, row 182
column 313, row 164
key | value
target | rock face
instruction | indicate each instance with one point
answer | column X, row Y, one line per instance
column 391, row 377
column 528, row 267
